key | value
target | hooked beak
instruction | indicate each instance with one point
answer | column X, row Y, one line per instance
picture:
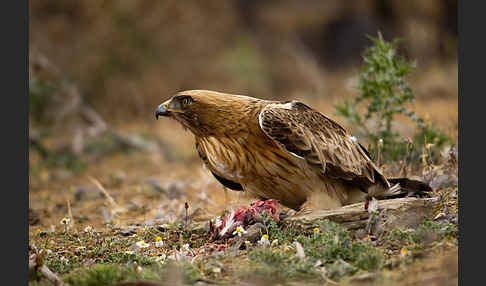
column 162, row 111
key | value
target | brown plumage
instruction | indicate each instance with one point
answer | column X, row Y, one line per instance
column 285, row 151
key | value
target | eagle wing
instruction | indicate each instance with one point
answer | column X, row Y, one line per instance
column 321, row 142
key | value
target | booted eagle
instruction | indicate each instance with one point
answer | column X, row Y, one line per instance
column 284, row 151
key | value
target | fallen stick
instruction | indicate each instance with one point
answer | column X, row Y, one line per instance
column 36, row 262
column 70, row 213
column 402, row 211
column 110, row 199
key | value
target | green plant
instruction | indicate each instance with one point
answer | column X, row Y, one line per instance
column 279, row 266
column 425, row 233
column 333, row 243
column 107, row 274
column 385, row 93
column 41, row 95
column 281, row 233
column 331, row 247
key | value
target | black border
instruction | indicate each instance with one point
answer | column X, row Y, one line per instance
column 460, row 88
column 14, row 118
column 472, row 81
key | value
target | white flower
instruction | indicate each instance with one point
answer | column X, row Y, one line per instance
column 185, row 247
column 353, row 138
column 65, row 221
column 129, row 252
column 161, row 258
column 264, row 240
column 275, row 242
column 217, row 270
column 143, row 244
column 239, row 231
column 64, row 259
column 88, row 229
column 139, row 268
column 158, row 241
column 177, row 256
column 404, row 252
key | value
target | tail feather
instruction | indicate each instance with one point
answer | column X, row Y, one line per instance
column 401, row 187
column 394, row 190
column 410, row 187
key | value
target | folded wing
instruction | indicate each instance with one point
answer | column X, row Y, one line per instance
column 321, row 142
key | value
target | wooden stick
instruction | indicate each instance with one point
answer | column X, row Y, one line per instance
column 36, row 263
column 107, row 195
column 355, row 216
column 70, row 213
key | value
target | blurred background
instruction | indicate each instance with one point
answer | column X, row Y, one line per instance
column 98, row 70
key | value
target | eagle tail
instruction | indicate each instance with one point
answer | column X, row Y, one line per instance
column 408, row 188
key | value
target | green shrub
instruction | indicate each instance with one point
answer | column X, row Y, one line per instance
column 333, row 243
column 108, row 274
column 278, row 266
column 332, row 246
column 384, row 93
column 41, row 94
column 425, row 233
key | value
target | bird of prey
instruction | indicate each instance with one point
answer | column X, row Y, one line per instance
column 281, row 150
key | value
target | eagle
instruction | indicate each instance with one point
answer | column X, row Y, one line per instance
column 281, row 150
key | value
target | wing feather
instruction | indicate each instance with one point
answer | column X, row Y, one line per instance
column 323, row 143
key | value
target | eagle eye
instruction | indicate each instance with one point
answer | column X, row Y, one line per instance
column 186, row 101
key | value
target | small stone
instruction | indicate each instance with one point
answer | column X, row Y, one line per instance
column 127, row 232
column 84, row 193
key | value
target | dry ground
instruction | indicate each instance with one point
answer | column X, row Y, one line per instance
column 152, row 188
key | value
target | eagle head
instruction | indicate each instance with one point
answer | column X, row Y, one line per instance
column 206, row 112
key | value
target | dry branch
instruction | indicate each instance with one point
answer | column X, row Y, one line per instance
column 110, row 199
column 70, row 212
column 399, row 213
column 36, row 262
column 114, row 208
column 88, row 123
